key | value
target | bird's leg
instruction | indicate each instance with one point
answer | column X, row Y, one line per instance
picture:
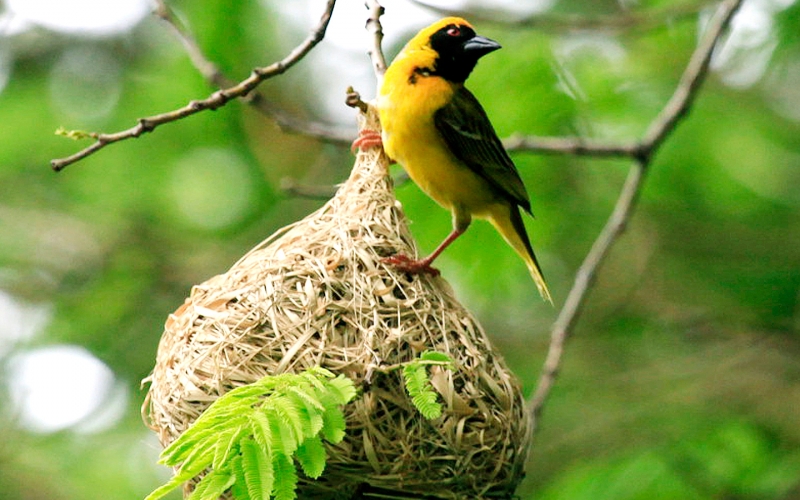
column 367, row 139
column 461, row 221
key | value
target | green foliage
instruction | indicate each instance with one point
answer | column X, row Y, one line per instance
column 418, row 385
column 248, row 439
column 733, row 461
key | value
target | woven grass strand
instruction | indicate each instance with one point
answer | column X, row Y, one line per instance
column 317, row 293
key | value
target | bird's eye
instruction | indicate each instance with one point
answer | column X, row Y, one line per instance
column 454, row 31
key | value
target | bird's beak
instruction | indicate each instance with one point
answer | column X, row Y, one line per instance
column 480, row 46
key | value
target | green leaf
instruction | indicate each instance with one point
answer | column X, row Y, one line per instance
column 310, row 414
column 311, row 456
column 436, row 357
column 199, row 459
column 226, row 445
column 282, row 432
column 212, row 486
column 285, row 478
column 248, row 436
column 420, row 390
column 343, row 388
column 175, row 482
column 239, row 486
column 334, row 427
column 259, row 476
column 187, row 443
column 290, row 417
column 262, row 431
column 306, row 394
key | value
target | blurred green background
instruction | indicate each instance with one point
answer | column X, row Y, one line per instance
column 683, row 378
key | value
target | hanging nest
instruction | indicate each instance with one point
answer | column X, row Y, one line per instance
column 316, row 293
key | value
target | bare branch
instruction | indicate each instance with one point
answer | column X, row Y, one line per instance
column 686, row 91
column 286, row 121
column 216, row 100
column 584, row 278
column 353, row 99
column 208, row 69
column 575, row 146
column 375, row 28
column 664, row 124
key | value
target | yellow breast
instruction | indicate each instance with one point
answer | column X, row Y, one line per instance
column 407, row 103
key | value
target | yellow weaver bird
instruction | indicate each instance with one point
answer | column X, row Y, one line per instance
column 437, row 130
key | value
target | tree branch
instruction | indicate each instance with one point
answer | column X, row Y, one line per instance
column 375, row 27
column 211, row 72
column 575, row 146
column 216, row 100
column 662, row 126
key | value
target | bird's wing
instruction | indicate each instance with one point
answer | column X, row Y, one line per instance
column 470, row 136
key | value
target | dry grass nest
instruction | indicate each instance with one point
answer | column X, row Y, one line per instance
column 317, row 293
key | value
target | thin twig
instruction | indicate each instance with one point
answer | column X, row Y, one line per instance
column 216, row 100
column 214, row 75
column 375, row 28
column 662, row 126
column 574, row 146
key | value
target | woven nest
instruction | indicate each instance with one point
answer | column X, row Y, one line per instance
column 317, row 293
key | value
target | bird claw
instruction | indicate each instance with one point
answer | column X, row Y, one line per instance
column 406, row 264
column 367, row 139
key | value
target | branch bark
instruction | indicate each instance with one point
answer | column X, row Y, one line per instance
column 675, row 109
column 375, row 28
column 214, row 101
column 211, row 72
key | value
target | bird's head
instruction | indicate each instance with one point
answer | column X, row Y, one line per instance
column 452, row 48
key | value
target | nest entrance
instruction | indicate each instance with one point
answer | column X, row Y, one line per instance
column 317, row 293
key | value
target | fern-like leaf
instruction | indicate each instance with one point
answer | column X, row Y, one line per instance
column 311, row 456
column 259, row 476
column 333, row 422
column 212, row 486
column 175, row 482
column 226, row 445
column 285, row 478
column 239, row 486
column 343, row 388
column 262, row 431
column 246, row 441
column 290, row 416
column 419, row 387
column 310, row 409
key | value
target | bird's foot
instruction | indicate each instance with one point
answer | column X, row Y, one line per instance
column 367, row 139
column 406, row 264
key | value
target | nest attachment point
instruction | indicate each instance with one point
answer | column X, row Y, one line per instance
column 317, row 293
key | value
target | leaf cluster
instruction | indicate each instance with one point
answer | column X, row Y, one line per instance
column 248, row 440
column 418, row 385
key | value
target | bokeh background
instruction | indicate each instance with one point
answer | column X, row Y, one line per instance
column 683, row 378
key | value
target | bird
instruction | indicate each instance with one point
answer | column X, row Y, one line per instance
column 440, row 134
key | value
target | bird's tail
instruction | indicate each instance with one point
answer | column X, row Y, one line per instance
column 508, row 223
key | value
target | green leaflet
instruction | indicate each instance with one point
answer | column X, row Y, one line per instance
column 311, row 456
column 258, row 473
column 247, row 441
column 212, row 486
column 418, row 386
column 285, row 478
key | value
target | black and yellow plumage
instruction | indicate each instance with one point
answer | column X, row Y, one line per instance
column 438, row 131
